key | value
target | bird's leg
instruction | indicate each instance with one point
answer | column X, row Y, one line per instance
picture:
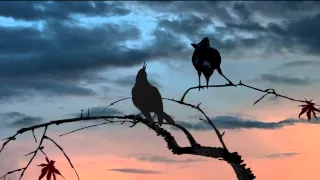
column 154, row 116
column 220, row 72
column 136, row 116
column 148, row 117
column 207, row 79
column 199, row 74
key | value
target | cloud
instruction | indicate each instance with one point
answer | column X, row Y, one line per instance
column 60, row 10
column 57, row 58
column 136, row 171
column 59, row 52
column 131, row 79
column 230, row 122
column 163, row 159
column 281, row 155
column 243, row 29
column 276, row 79
column 17, row 119
column 300, row 63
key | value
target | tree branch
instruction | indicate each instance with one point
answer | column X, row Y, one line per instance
column 223, row 153
column 65, row 155
column 196, row 87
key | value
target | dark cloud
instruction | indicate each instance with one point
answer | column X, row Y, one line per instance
column 59, row 10
column 163, row 159
column 242, row 11
column 56, row 59
column 284, row 80
column 17, row 119
column 188, row 25
column 230, row 122
column 292, row 26
column 131, row 79
column 281, row 155
column 213, row 9
column 300, row 63
column 284, row 9
column 136, row 171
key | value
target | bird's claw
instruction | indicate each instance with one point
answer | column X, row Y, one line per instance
column 200, row 87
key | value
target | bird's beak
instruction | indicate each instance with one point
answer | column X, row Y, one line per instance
column 144, row 65
column 194, row 45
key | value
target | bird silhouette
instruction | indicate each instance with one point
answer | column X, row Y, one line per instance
column 147, row 98
column 206, row 59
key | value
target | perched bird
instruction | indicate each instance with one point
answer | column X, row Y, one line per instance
column 148, row 99
column 206, row 59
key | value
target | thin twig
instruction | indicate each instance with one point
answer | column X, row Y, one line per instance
column 116, row 102
column 83, row 128
column 34, row 135
column 271, row 92
column 46, row 137
column 208, row 120
column 196, row 87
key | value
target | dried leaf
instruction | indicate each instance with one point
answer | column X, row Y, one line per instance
column 43, row 172
column 309, row 114
column 303, row 111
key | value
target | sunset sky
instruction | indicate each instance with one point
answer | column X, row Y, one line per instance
column 57, row 58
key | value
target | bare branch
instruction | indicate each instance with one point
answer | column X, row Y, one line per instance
column 271, row 92
column 46, row 137
column 196, row 87
column 196, row 149
column 116, row 102
column 34, row 135
column 208, row 120
column 86, row 127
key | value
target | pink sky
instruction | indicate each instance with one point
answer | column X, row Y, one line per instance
column 109, row 149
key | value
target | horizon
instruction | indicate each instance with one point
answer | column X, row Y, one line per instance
column 58, row 58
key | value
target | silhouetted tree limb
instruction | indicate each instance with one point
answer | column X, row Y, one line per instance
column 65, row 155
column 220, row 153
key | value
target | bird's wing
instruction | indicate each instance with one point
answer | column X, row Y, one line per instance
column 136, row 97
column 155, row 97
column 195, row 58
column 213, row 57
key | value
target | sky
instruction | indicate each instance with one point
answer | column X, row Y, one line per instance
column 57, row 58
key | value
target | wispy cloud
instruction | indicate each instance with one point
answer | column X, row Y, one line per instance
column 17, row 119
column 281, row 155
column 230, row 122
column 136, row 171
column 300, row 63
column 163, row 159
column 276, row 79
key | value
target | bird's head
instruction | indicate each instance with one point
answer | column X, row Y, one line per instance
column 142, row 74
column 203, row 43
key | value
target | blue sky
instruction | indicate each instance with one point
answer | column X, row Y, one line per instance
column 57, row 58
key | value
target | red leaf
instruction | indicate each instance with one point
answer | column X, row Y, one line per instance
column 315, row 109
column 314, row 114
column 57, row 172
column 309, row 114
column 303, row 111
column 54, row 176
column 47, row 159
column 49, row 175
column 42, row 165
column 43, row 172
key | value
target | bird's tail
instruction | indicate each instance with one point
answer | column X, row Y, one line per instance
column 165, row 116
